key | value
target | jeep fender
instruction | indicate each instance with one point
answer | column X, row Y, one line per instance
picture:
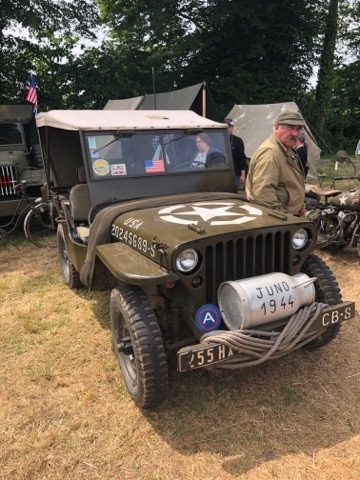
column 128, row 266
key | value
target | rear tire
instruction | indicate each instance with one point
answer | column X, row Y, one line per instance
column 143, row 361
column 70, row 275
column 326, row 291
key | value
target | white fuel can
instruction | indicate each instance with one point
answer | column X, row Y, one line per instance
column 263, row 299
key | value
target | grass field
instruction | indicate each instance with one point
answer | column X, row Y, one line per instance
column 326, row 170
column 66, row 415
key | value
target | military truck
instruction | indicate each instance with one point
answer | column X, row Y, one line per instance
column 20, row 157
column 199, row 277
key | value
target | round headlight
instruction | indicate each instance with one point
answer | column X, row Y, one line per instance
column 187, row 260
column 300, row 239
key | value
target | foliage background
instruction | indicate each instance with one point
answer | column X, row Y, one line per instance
column 87, row 52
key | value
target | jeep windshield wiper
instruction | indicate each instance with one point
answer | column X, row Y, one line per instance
column 115, row 139
column 189, row 132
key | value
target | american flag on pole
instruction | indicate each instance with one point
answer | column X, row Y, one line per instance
column 31, row 94
column 154, row 166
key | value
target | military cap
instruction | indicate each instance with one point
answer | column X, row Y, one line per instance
column 290, row 118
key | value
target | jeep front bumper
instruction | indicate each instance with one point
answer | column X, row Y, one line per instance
column 209, row 353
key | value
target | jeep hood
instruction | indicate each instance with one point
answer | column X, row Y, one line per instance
column 191, row 221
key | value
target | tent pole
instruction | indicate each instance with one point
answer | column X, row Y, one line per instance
column 204, row 99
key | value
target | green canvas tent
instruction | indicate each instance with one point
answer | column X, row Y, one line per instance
column 196, row 98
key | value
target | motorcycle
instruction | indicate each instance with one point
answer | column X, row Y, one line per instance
column 337, row 216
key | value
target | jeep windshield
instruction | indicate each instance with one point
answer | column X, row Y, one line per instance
column 146, row 153
column 11, row 134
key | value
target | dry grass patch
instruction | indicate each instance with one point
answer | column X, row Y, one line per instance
column 66, row 415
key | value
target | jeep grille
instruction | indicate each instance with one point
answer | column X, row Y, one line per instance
column 7, row 181
column 240, row 258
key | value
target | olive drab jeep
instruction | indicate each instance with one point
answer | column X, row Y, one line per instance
column 20, row 156
column 199, row 277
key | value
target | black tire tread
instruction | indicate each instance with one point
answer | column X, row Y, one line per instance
column 147, row 343
column 70, row 275
column 326, row 291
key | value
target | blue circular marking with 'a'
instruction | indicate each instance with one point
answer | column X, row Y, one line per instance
column 207, row 318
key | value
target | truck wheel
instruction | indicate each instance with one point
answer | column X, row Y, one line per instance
column 70, row 275
column 138, row 346
column 326, row 291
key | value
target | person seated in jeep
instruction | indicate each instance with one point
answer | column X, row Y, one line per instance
column 207, row 154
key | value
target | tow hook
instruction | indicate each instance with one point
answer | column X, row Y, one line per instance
column 124, row 346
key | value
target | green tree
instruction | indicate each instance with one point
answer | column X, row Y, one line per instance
column 246, row 51
column 344, row 113
column 52, row 31
column 333, row 105
column 326, row 77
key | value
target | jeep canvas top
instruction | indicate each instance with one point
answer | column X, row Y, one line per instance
column 199, row 277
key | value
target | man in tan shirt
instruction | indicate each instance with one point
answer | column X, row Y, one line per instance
column 276, row 177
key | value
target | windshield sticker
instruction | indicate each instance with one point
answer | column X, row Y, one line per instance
column 101, row 167
column 118, row 169
column 154, row 166
column 214, row 213
column 91, row 142
column 94, row 153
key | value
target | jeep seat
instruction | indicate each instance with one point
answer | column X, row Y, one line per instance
column 79, row 198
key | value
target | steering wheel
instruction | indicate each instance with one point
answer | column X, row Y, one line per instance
column 192, row 163
column 215, row 159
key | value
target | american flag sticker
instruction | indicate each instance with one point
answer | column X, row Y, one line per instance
column 154, row 166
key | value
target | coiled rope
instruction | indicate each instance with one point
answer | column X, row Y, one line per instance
column 253, row 347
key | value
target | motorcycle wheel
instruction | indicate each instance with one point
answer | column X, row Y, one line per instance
column 326, row 291
column 358, row 247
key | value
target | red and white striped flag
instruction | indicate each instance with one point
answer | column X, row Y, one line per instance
column 31, row 94
column 154, row 166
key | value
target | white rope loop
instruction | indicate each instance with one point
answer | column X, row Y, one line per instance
column 253, row 347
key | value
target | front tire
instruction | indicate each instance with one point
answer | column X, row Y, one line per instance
column 38, row 228
column 70, row 275
column 138, row 346
column 326, row 291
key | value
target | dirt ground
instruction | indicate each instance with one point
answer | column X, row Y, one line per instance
column 66, row 415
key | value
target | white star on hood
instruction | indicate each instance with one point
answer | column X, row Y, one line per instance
column 208, row 213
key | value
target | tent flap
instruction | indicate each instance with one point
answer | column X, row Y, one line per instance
column 125, row 104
